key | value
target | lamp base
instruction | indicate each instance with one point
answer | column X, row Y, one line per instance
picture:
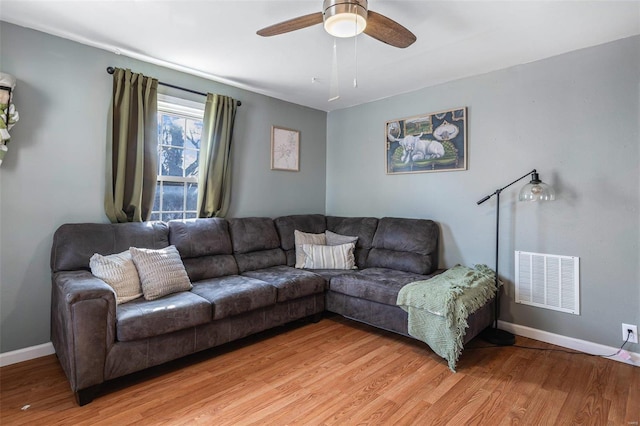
column 498, row 337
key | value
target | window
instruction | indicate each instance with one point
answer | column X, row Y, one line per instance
column 179, row 133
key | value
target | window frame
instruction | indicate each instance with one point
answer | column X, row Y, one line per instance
column 182, row 108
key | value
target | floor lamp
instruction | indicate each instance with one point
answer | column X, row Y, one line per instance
column 535, row 190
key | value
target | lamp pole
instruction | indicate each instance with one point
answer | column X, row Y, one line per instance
column 494, row 334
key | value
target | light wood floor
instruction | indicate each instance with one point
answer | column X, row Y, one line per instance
column 343, row 373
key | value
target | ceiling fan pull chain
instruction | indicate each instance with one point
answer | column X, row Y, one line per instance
column 334, row 86
column 355, row 54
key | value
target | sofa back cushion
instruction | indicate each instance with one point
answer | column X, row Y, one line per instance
column 205, row 247
column 287, row 225
column 75, row 243
column 256, row 244
column 362, row 227
column 409, row 245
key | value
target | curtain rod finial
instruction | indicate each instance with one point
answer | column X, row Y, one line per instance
column 111, row 70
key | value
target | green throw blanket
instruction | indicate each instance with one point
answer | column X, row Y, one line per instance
column 439, row 307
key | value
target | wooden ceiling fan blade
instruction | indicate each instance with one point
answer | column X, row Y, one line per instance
column 291, row 25
column 388, row 31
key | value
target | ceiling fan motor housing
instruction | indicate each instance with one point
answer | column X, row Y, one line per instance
column 345, row 18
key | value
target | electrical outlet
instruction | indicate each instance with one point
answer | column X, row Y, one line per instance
column 634, row 333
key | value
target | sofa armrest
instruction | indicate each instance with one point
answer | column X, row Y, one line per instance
column 83, row 318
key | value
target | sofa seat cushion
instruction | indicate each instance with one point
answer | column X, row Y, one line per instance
column 328, row 274
column 142, row 318
column 291, row 283
column 376, row 284
column 235, row 294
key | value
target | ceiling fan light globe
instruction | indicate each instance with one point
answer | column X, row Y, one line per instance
column 345, row 18
column 343, row 25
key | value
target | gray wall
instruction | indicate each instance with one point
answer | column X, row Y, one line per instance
column 54, row 170
column 575, row 119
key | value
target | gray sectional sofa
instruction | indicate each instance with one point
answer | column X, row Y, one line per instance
column 244, row 281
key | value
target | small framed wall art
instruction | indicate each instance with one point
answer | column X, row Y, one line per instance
column 433, row 142
column 285, row 149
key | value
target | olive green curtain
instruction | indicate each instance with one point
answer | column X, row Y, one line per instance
column 132, row 154
column 214, row 178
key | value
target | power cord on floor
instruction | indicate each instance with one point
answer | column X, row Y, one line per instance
column 558, row 350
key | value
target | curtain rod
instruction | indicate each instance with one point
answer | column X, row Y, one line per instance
column 111, row 70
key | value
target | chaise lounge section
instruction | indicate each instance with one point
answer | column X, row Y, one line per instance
column 244, row 281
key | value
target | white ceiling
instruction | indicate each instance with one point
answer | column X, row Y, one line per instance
column 217, row 39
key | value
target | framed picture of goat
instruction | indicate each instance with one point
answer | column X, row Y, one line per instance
column 434, row 142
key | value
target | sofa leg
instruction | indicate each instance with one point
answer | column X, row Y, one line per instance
column 85, row 396
column 317, row 317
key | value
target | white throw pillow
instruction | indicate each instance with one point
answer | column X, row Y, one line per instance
column 119, row 271
column 161, row 271
column 329, row 257
column 334, row 239
column 301, row 238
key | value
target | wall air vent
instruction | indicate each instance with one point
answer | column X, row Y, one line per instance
column 548, row 281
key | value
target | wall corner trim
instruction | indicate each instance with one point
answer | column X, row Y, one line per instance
column 568, row 342
column 25, row 354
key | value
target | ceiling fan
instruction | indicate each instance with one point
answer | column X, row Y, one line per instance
column 348, row 18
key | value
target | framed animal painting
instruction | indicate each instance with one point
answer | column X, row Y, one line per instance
column 433, row 142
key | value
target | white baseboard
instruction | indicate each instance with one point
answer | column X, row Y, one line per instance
column 26, row 354
column 45, row 349
column 569, row 342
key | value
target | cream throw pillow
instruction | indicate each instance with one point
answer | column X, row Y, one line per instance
column 301, row 238
column 119, row 272
column 161, row 271
column 329, row 257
